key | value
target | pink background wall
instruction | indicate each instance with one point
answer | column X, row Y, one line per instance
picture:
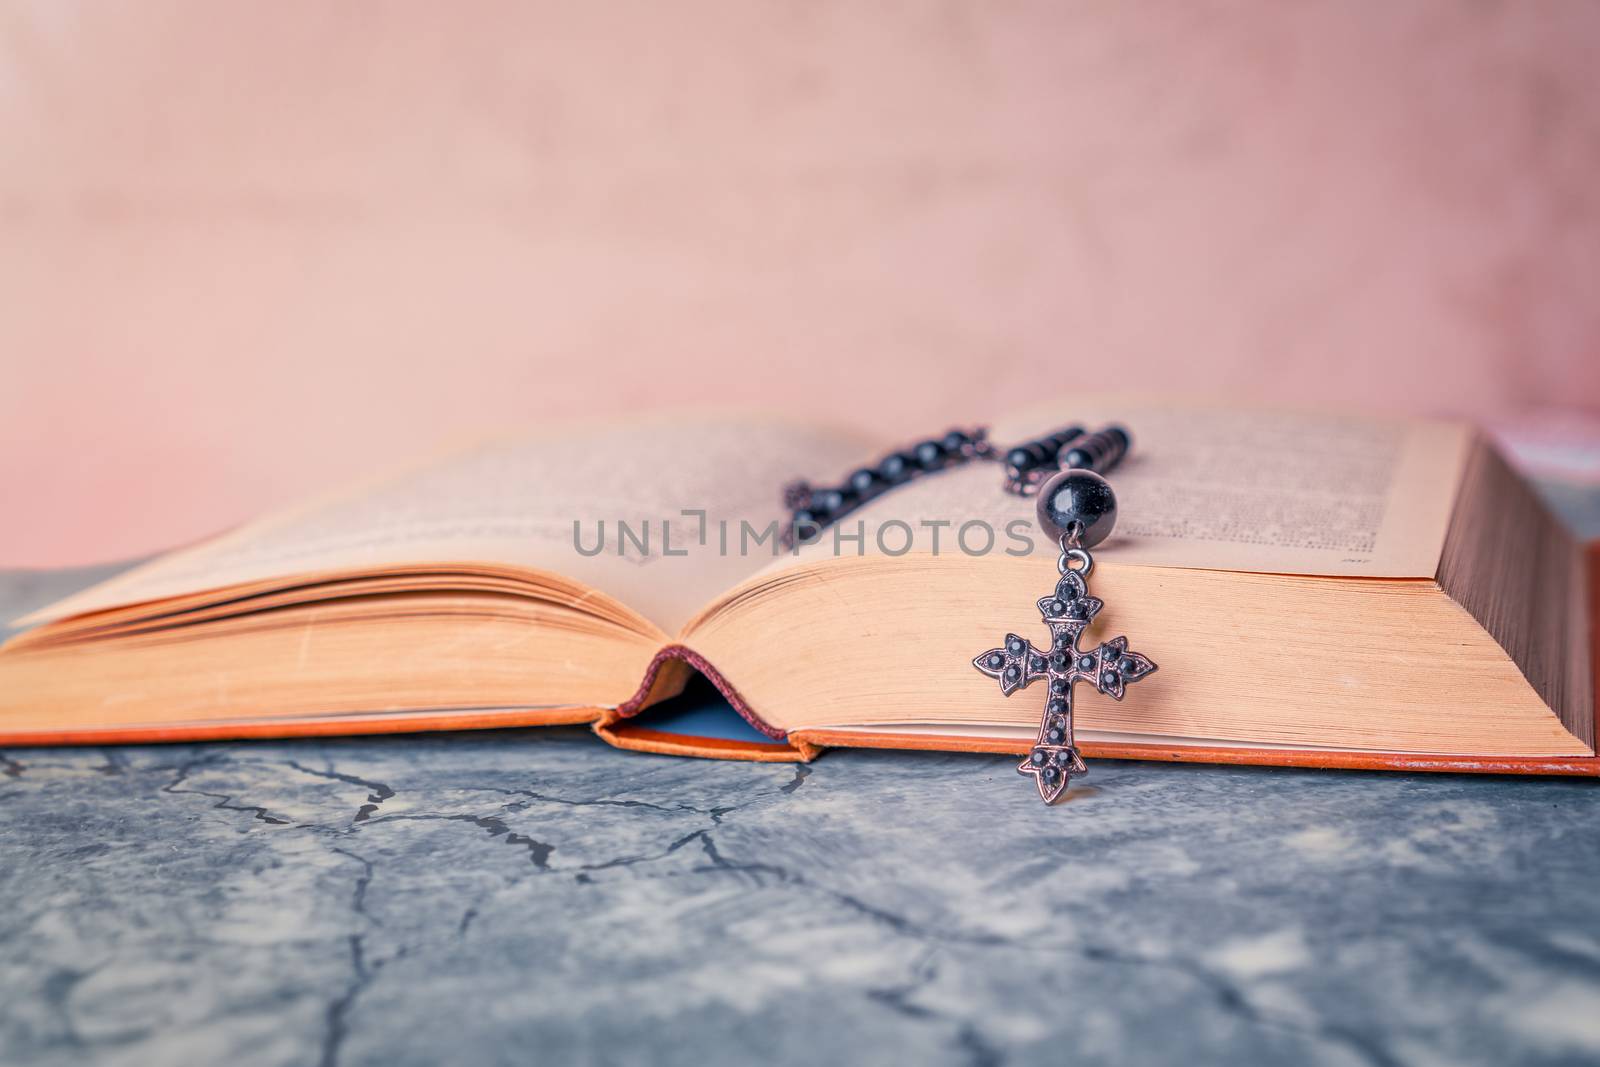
column 246, row 249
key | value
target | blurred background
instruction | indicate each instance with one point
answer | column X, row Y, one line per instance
column 247, row 250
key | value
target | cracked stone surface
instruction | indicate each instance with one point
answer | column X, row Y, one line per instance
column 536, row 896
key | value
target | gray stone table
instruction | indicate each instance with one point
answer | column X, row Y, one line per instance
column 533, row 896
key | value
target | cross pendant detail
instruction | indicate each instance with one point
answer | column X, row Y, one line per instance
column 1054, row 760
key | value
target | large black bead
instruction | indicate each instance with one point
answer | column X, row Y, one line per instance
column 930, row 455
column 1081, row 497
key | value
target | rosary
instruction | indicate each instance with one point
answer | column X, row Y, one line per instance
column 1076, row 507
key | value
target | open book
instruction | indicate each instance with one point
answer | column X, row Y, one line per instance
column 1317, row 589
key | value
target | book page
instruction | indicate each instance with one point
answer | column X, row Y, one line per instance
column 1277, row 492
column 627, row 486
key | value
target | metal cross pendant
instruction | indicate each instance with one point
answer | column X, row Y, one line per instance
column 1054, row 761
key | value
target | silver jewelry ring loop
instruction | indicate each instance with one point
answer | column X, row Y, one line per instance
column 1068, row 555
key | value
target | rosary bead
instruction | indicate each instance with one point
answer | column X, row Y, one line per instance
column 1071, row 458
column 1021, row 459
column 829, row 500
column 1099, row 451
column 930, row 455
column 864, row 481
column 955, row 441
column 895, row 468
column 1078, row 497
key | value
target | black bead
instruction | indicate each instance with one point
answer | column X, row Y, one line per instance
column 1014, row 644
column 1051, row 773
column 1056, row 707
column 1012, row 674
column 864, row 481
column 828, row 500
column 1063, row 641
column 1021, row 459
column 1036, row 663
column 1078, row 497
column 1057, row 607
column 1053, row 736
column 1059, row 661
column 1086, row 664
column 1039, row 757
column 1058, row 686
column 1108, row 678
column 996, row 661
column 1127, row 666
column 1100, row 451
column 1065, row 758
column 930, row 455
column 955, row 441
column 810, row 519
column 1074, row 458
column 895, row 468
